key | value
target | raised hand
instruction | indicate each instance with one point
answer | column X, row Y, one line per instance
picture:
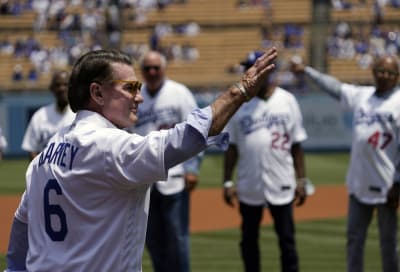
column 256, row 75
column 296, row 65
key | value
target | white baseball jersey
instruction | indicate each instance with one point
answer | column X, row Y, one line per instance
column 375, row 144
column 86, row 201
column 171, row 105
column 264, row 131
column 3, row 141
column 44, row 123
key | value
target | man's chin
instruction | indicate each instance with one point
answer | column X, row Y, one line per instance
column 133, row 120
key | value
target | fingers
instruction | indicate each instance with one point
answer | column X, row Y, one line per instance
column 264, row 63
column 191, row 182
column 256, row 75
column 229, row 195
column 391, row 203
column 300, row 196
column 392, row 198
column 300, row 201
column 228, row 200
column 190, row 186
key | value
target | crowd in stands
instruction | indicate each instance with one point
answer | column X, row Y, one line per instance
column 348, row 4
column 377, row 7
column 363, row 42
column 14, row 7
column 86, row 25
column 139, row 8
column 80, row 26
column 289, row 36
column 175, row 51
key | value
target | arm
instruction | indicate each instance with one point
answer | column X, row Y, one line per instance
column 191, row 137
column 392, row 198
column 230, row 159
column 229, row 102
column 18, row 246
column 299, row 167
column 327, row 83
column 18, row 243
column 30, row 142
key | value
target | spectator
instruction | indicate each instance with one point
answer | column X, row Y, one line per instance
column 5, row 8
column 6, row 47
column 192, row 29
column 17, row 75
column 189, row 52
column 32, row 74
column 293, row 35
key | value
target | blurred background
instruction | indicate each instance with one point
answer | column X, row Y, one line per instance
column 204, row 40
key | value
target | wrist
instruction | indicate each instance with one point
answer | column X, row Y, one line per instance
column 302, row 181
column 307, row 184
column 242, row 90
column 228, row 184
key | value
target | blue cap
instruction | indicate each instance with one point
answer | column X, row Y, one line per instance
column 251, row 58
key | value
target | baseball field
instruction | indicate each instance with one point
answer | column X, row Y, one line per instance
column 320, row 223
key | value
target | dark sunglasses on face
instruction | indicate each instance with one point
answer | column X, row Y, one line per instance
column 383, row 70
column 147, row 68
column 132, row 86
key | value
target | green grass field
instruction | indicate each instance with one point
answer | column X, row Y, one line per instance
column 321, row 244
column 321, row 169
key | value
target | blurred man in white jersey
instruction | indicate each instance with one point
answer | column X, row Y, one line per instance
column 87, row 193
column 373, row 176
column 267, row 130
column 47, row 120
column 166, row 103
column 3, row 143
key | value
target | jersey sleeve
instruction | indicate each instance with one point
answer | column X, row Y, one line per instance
column 22, row 211
column 299, row 132
column 30, row 143
column 17, row 247
column 133, row 158
column 3, row 141
column 192, row 165
column 230, row 128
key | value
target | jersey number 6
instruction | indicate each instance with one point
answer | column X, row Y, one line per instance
column 54, row 210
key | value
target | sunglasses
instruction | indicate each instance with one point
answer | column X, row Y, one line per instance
column 383, row 70
column 132, row 86
column 147, row 68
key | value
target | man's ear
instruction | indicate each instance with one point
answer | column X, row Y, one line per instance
column 96, row 93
